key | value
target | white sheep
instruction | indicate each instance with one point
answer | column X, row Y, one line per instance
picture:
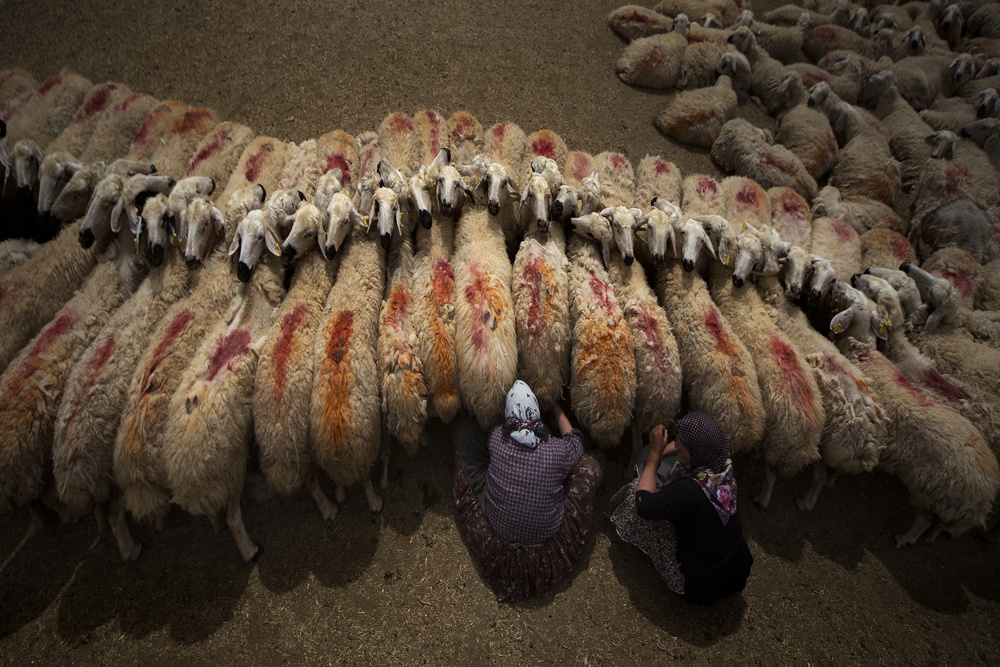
column 117, row 127
column 862, row 213
column 653, row 62
column 775, row 87
column 806, row 132
column 885, row 248
column 748, row 151
column 838, row 242
column 631, row 22
column 696, row 116
column 791, row 217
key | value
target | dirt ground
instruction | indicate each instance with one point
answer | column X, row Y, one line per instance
column 400, row 586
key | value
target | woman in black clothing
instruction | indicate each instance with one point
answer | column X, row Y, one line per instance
column 689, row 526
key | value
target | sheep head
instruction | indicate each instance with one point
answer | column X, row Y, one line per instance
column 905, row 286
column 328, row 185
column 279, row 212
column 566, row 203
column 253, row 234
column 826, row 203
column 27, row 159
column 498, row 186
column 944, row 144
column 449, row 187
column 158, row 221
column 385, row 211
column 819, row 95
column 536, row 194
column 736, row 66
column 887, row 301
column 623, row 227
column 71, row 203
column 822, row 276
column 951, row 24
column 744, row 41
column 591, row 194
column 721, row 233
column 695, row 237
column 54, row 173
column 961, row 70
column 659, row 227
column 985, row 132
column 749, row 255
column 340, row 216
column 596, row 227
column 987, row 103
column 97, row 219
column 419, row 195
column 938, row 293
column 795, row 269
column 305, row 229
column 206, row 227
column 392, row 178
column 915, row 41
column 135, row 190
column 858, row 317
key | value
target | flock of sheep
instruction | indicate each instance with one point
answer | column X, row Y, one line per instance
column 206, row 291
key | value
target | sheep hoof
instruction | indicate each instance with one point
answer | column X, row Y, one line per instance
column 132, row 553
column 256, row 555
column 901, row 543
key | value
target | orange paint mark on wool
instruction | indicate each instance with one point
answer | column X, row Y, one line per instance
column 192, row 121
column 337, row 404
column 255, row 163
column 960, row 279
column 94, row 103
column 544, row 145
column 228, row 349
column 207, row 151
column 724, row 343
column 936, row 382
column 793, row 380
column 650, row 60
column 398, row 305
column 442, row 285
column 536, row 277
column 497, row 135
column 465, row 127
column 400, row 122
column 290, row 324
column 478, row 295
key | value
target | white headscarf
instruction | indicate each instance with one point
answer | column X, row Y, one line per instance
column 523, row 421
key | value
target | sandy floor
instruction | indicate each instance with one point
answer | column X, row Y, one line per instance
column 400, row 586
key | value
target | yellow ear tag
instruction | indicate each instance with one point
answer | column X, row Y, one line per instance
column 745, row 225
column 277, row 247
column 881, row 328
column 837, row 327
column 137, row 244
column 887, row 321
column 725, row 258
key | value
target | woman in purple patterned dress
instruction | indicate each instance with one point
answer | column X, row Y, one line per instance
column 688, row 523
column 524, row 496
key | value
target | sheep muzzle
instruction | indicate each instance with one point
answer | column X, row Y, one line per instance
column 155, row 254
column 86, row 238
column 243, row 272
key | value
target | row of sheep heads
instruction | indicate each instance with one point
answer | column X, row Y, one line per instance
column 875, row 301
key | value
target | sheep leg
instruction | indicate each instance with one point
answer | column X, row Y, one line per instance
column 234, row 517
column 101, row 516
column 374, row 502
column 920, row 525
column 128, row 548
column 808, row 501
column 384, row 482
column 340, row 495
column 763, row 499
column 217, row 523
column 629, row 473
column 326, row 508
column 833, row 478
column 160, row 520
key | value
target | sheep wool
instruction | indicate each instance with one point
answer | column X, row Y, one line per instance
column 14, row 83
column 632, row 22
column 885, row 248
column 41, row 114
column 653, row 62
column 218, row 153
column 696, row 117
column 116, row 128
column 834, row 239
column 181, row 140
column 790, row 216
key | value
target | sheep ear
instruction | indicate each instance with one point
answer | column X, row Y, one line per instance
column 880, row 324
column 357, row 219
column 399, row 222
column 636, row 212
column 466, row 190
column 991, row 143
column 218, row 221
column 513, row 186
column 524, row 198
column 709, row 247
column 841, row 321
column 116, row 216
column 235, row 245
column 606, row 254
column 72, row 168
column 933, row 320
column 441, row 159
column 271, row 241
column 161, row 184
column 608, row 213
column 642, row 221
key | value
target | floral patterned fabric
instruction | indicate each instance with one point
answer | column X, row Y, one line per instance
column 710, row 464
column 656, row 539
column 514, row 571
column 720, row 487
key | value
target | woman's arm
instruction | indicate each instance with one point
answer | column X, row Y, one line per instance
column 658, row 448
column 562, row 420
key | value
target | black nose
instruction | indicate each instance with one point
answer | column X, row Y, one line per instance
column 543, row 225
column 243, row 272
column 658, row 260
column 814, row 297
column 192, row 262
column 331, row 251
column 288, row 253
column 854, row 280
column 86, row 238
column 904, row 267
column 24, row 191
column 557, row 209
column 688, row 265
column 965, row 133
column 493, row 207
column 868, row 271
column 628, row 259
column 446, row 208
column 425, row 218
column 155, row 254
column 386, row 240
column 737, row 281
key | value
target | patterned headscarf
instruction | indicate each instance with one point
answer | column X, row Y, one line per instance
column 710, row 464
column 524, row 420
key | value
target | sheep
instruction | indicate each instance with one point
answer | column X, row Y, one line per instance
column 984, row 21
column 60, row 265
column 837, row 241
column 867, row 168
column 747, row 151
column 632, row 22
column 960, row 269
column 860, row 212
column 14, row 83
column 908, row 133
column 344, row 420
column 949, row 113
column 434, row 279
column 787, row 15
column 922, row 79
column 885, row 248
column 948, row 209
column 149, row 136
column 14, row 252
column 696, row 116
column 943, row 290
column 182, row 194
column 701, row 64
column 219, row 152
column 950, row 474
column 465, row 137
column 985, row 133
column 718, row 373
column 137, row 458
column 725, row 11
column 823, row 39
column 540, row 279
column 653, row 62
column 790, row 216
column 261, row 162
column 33, row 384
column 783, row 43
column 770, row 82
column 855, row 429
column 22, row 175
column 284, row 379
column 844, row 80
column 505, row 145
column 91, row 408
column 117, row 128
column 806, row 132
column 42, row 113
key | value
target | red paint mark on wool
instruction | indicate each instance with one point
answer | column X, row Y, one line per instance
column 936, row 382
column 434, row 140
column 650, row 60
column 17, row 105
column 956, row 177
column 63, row 324
column 497, row 134
column 845, row 233
column 748, row 195
column 537, row 277
column 176, row 328
column 255, row 163
column 148, row 123
column 191, row 121
column 94, row 103
column 824, row 34
column 793, row 380
column 723, row 341
column 636, row 17
column 582, row 166
column 228, row 348
column 833, row 364
column 618, row 161
column 367, row 158
column 338, row 161
column 99, row 358
column 465, row 127
column 649, row 325
column 338, row 345
column 706, row 186
column 207, row 151
column 290, row 323
column 125, row 103
column 603, row 294
column 769, row 160
column 476, row 295
column 922, row 399
column 400, row 122
column 49, row 84
column 545, row 146
column 398, row 305
column 959, row 278
column 661, row 167
column 901, row 248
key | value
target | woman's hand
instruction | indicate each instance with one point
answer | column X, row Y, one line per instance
column 562, row 419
